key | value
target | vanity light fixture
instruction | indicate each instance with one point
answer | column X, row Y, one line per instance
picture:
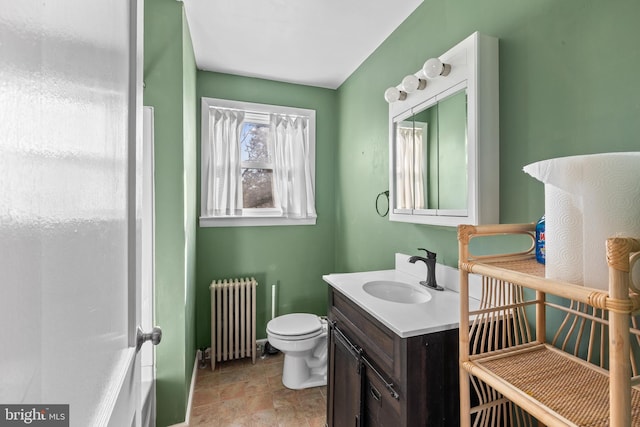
column 394, row 94
column 434, row 68
column 411, row 83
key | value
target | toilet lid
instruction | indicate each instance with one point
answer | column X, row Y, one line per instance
column 296, row 324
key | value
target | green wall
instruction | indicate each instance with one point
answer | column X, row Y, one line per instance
column 170, row 80
column 567, row 86
column 189, row 76
column 294, row 258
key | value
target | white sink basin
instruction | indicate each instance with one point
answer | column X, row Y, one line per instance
column 392, row 291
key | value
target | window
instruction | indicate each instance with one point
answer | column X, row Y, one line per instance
column 258, row 164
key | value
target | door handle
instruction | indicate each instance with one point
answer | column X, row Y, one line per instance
column 155, row 336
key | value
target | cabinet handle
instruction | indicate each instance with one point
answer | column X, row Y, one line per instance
column 355, row 351
column 374, row 393
column 387, row 384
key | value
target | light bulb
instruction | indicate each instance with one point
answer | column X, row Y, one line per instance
column 394, row 94
column 411, row 83
column 434, row 68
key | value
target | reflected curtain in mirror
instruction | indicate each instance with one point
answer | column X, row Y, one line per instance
column 410, row 165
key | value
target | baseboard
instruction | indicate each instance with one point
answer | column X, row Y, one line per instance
column 187, row 415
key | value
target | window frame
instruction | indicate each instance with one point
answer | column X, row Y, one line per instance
column 253, row 216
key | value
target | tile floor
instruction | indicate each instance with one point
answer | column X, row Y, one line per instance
column 239, row 393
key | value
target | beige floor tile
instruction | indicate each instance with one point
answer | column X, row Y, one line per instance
column 309, row 393
column 233, row 390
column 264, row 418
column 275, row 382
column 239, row 393
column 318, row 421
column 290, row 416
column 312, row 407
column 273, row 370
column 206, row 416
column 205, row 396
column 258, row 403
column 257, row 386
column 284, row 398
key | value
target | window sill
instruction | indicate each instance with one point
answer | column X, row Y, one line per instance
column 253, row 221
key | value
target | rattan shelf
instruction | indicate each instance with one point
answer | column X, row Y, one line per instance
column 581, row 376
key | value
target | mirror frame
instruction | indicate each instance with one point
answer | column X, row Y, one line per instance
column 474, row 67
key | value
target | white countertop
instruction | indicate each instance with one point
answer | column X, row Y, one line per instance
column 441, row 312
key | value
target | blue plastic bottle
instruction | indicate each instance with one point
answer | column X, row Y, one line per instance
column 540, row 249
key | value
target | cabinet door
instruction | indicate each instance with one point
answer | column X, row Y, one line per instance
column 345, row 382
column 381, row 409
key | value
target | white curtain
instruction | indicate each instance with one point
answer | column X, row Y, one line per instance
column 223, row 195
column 293, row 183
column 410, row 168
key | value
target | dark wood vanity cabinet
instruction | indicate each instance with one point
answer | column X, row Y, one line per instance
column 347, row 398
column 376, row 378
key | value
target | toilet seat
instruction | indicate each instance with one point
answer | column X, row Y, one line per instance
column 295, row 326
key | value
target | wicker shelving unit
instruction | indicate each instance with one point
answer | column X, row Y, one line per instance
column 582, row 373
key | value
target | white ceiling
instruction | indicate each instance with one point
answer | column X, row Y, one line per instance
column 311, row 42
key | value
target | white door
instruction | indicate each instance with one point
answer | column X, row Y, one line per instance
column 70, row 132
column 147, row 352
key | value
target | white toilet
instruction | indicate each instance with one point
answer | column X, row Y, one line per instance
column 303, row 340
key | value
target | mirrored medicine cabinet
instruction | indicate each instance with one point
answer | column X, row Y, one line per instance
column 443, row 139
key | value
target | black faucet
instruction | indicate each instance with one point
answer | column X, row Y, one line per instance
column 430, row 260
